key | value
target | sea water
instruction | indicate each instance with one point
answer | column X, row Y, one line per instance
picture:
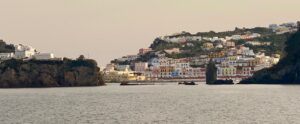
column 173, row 104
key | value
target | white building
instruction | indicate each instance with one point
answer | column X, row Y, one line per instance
column 154, row 62
column 6, row 56
column 236, row 37
column 43, row 56
column 160, row 54
column 190, row 44
column 173, row 50
column 214, row 39
column 182, row 65
column 174, row 39
column 207, row 38
column 257, row 43
column 123, row 67
column 128, row 58
column 196, row 72
column 255, row 35
column 22, row 51
column 219, row 46
column 230, row 44
column 196, row 38
column 141, row 66
column 180, row 39
column 164, row 61
column 248, row 52
column 228, row 38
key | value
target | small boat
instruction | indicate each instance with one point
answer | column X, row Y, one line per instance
column 187, row 83
column 127, row 83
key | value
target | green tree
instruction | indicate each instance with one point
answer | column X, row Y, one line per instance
column 81, row 57
column 6, row 48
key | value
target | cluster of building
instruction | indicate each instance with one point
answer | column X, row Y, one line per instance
column 118, row 73
column 184, row 39
column 232, row 61
column 212, row 42
column 278, row 29
column 284, row 28
column 257, row 43
column 26, row 52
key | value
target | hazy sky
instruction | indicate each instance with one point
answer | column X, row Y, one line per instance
column 108, row 29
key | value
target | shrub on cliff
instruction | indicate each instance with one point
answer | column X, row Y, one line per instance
column 6, row 48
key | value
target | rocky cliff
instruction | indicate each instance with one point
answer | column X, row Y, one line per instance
column 50, row 73
column 287, row 71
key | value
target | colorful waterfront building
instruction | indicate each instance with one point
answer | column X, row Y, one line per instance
column 141, row 66
column 166, row 71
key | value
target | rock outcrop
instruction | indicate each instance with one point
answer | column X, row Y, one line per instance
column 49, row 73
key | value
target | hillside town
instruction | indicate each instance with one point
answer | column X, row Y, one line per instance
column 234, row 60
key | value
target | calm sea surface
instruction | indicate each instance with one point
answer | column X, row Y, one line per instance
column 113, row 104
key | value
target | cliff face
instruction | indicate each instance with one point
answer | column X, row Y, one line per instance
column 34, row 73
column 287, row 71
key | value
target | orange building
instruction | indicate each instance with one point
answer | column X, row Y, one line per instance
column 166, row 71
column 216, row 54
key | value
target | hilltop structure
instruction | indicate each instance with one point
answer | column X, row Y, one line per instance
column 24, row 52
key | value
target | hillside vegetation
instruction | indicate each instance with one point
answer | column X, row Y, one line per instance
column 6, row 48
column 287, row 71
column 267, row 35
